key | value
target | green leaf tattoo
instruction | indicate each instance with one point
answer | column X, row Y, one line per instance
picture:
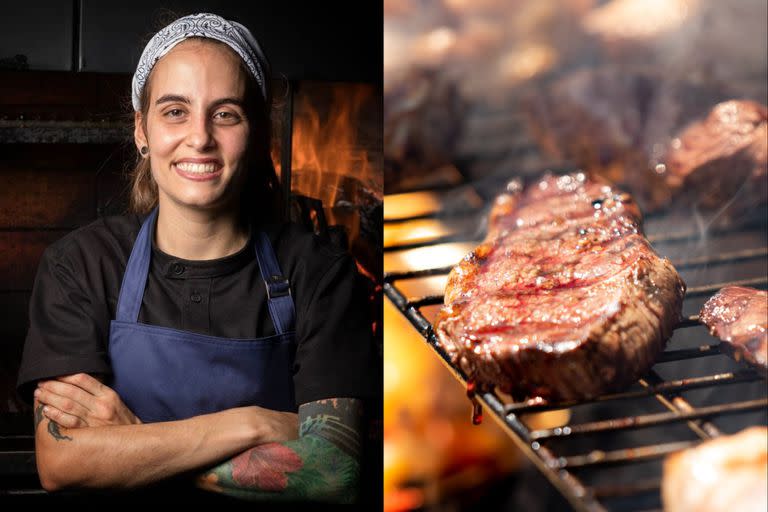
column 322, row 465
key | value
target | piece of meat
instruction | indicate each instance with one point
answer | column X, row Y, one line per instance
column 617, row 124
column 738, row 316
column 564, row 299
column 423, row 119
column 725, row 474
column 721, row 158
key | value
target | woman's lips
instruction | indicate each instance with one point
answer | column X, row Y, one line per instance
column 198, row 172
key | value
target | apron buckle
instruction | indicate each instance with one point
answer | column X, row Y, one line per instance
column 277, row 286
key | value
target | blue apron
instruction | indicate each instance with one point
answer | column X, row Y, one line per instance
column 165, row 374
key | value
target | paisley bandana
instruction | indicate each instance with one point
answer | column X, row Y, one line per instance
column 233, row 34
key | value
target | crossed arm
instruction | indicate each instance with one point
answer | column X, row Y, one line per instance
column 87, row 437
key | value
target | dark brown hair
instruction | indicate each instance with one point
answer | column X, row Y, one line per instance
column 260, row 197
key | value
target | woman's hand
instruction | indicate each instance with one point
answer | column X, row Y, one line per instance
column 80, row 400
column 275, row 426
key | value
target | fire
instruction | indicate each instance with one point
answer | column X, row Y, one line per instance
column 329, row 141
column 337, row 160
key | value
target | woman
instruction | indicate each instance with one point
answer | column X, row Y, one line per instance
column 182, row 339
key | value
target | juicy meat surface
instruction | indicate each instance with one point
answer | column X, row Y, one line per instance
column 564, row 299
column 722, row 155
column 663, row 140
column 722, row 474
column 739, row 317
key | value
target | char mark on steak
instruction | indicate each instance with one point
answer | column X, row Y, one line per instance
column 564, row 299
column 738, row 316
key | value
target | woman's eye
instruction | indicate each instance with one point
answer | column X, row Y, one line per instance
column 226, row 116
column 175, row 112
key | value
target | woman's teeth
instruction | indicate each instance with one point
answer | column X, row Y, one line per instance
column 197, row 168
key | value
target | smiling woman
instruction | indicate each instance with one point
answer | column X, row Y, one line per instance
column 198, row 340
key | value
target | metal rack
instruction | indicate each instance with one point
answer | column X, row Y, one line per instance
column 549, row 448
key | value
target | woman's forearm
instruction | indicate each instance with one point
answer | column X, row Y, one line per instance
column 133, row 455
column 322, row 465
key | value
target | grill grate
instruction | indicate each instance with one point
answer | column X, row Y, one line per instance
column 548, row 448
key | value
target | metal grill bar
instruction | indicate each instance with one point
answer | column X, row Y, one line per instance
column 691, row 321
column 649, row 420
column 613, row 491
column 538, row 404
column 639, row 454
column 692, row 235
column 712, row 288
column 674, row 402
column 688, row 353
column 722, row 258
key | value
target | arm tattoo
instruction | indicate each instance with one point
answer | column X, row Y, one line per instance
column 53, row 427
column 38, row 415
column 322, row 465
column 333, row 420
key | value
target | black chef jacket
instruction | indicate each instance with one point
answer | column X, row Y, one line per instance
column 78, row 280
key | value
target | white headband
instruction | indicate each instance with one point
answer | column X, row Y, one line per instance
column 233, row 34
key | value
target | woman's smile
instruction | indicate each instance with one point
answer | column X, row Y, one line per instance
column 203, row 171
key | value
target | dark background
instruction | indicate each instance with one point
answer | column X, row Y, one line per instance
column 330, row 40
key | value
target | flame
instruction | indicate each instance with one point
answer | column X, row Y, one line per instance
column 336, row 152
column 327, row 145
column 413, row 203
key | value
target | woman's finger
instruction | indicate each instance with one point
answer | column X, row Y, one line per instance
column 85, row 382
column 61, row 403
column 70, row 392
column 63, row 419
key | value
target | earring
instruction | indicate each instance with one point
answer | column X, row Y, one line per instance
column 144, row 150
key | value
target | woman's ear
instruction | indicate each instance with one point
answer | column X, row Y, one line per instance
column 138, row 131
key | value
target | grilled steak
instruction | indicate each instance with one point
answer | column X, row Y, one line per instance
column 624, row 126
column 739, row 317
column 727, row 473
column 564, row 299
column 722, row 157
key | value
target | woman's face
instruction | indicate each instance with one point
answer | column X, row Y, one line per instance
column 196, row 127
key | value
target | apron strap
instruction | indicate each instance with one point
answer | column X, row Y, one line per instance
column 279, row 299
column 136, row 271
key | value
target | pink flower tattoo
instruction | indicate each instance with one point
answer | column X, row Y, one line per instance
column 265, row 467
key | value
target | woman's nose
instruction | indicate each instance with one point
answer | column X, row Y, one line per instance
column 200, row 134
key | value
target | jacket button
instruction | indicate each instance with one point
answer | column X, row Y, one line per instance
column 178, row 269
column 195, row 297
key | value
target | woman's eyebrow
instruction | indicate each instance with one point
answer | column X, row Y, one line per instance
column 235, row 101
column 169, row 98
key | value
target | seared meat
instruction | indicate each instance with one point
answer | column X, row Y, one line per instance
column 720, row 475
column 564, row 299
column 619, row 125
column 739, row 317
column 722, row 155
